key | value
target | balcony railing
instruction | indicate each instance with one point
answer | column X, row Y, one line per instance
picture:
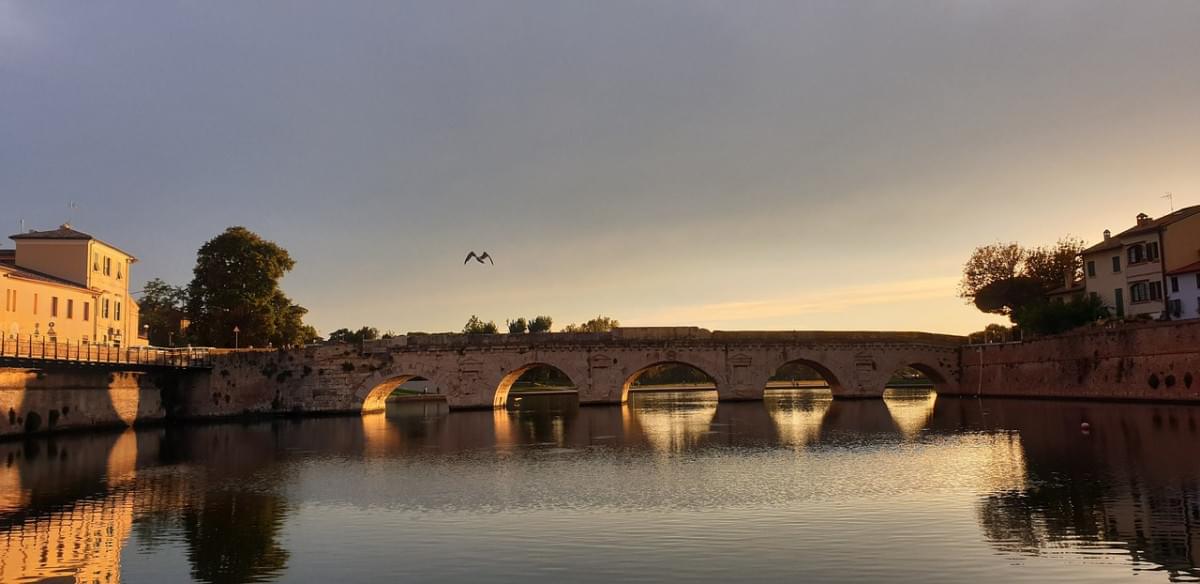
column 44, row 349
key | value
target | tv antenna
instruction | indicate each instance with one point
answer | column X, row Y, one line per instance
column 1170, row 197
column 71, row 208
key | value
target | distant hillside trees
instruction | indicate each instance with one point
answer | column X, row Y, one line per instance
column 356, row 337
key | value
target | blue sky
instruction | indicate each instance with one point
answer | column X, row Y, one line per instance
column 772, row 165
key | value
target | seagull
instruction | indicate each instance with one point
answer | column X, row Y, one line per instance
column 479, row 258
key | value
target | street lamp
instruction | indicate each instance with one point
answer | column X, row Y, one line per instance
column 236, row 330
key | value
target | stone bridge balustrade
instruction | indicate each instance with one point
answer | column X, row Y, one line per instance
column 476, row 371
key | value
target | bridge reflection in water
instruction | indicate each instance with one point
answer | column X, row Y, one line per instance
column 92, row 508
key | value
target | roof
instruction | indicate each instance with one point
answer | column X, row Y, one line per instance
column 36, row 276
column 65, row 232
column 1194, row 267
column 1150, row 225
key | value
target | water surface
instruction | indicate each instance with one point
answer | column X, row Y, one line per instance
column 675, row 486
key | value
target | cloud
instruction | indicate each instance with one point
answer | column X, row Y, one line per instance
column 824, row 302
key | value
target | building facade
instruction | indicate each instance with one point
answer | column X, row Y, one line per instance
column 1129, row 271
column 64, row 285
column 1183, row 292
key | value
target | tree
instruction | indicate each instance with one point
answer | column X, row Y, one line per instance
column 1004, row 296
column 517, row 327
column 540, row 324
column 1051, row 264
column 342, row 335
column 1047, row 318
column 599, row 324
column 988, row 264
column 475, row 326
column 161, row 308
column 236, row 284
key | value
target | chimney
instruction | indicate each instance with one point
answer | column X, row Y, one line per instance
column 1142, row 218
column 1107, row 235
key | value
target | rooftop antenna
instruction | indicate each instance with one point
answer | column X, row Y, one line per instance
column 1170, row 197
column 71, row 208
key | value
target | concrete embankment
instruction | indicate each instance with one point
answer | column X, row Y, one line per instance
column 1146, row 361
column 36, row 400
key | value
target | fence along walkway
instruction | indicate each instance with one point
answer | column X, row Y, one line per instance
column 24, row 350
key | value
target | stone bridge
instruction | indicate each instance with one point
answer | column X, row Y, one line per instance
column 477, row 371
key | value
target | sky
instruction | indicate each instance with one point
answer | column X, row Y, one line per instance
column 731, row 165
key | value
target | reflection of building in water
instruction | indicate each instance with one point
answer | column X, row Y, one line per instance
column 1130, row 485
column 82, row 540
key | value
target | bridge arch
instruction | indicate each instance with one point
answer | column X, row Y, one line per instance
column 826, row 374
column 941, row 379
column 500, row 398
column 373, row 392
column 633, row 377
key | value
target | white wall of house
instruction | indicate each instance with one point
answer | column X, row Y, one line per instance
column 1188, row 294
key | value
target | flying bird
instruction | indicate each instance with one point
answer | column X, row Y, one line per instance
column 479, row 258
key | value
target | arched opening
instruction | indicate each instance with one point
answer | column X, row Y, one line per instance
column 669, row 380
column 536, row 383
column 800, row 377
column 910, row 395
column 401, row 389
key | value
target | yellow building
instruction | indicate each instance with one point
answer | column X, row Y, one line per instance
column 64, row 286
column 1129, row 271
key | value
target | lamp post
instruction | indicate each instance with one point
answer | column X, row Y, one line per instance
column 236, row 330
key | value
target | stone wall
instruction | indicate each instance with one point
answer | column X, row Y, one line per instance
column 33, row 400
column 1150, row 361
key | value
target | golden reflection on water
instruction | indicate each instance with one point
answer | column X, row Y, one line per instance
column 910, row 410
column 671, row 422
column 797, row 415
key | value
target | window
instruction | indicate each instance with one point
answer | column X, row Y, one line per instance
column 70, row 308
column 105, row 313
column 1175, row 307
column 87, row 310
column 117, row 309
column 107, row 266
column 95, row 262
column 54, row 306
column 1136, row 254
column 1152, row 251
column 1174, row 283
column 35, row 299
column 1091, row 269
column 1156, row 291
column 1139, row 292
column 1116, row 263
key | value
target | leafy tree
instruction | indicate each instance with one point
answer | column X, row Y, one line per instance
column 599, row 324
column 540, row 324
column 161, row 308
column 1050, row 264
column 475, row 326
column 342, row 335
column 1047, row 318
column 988, row 264
column 1004, row 296
column 517, row 327
column 236, row 284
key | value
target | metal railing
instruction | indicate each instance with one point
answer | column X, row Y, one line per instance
column 45, row 349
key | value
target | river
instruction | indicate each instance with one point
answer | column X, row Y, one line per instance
column 674, row 486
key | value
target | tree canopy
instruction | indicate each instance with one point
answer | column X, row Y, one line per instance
column 162, row 308
column 236, row 284
column 599, row 324
column 344, row 335
column 517, row 327
column 540, row 324
column 475, row 326
column 1046, row 266
column 1004, row 296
